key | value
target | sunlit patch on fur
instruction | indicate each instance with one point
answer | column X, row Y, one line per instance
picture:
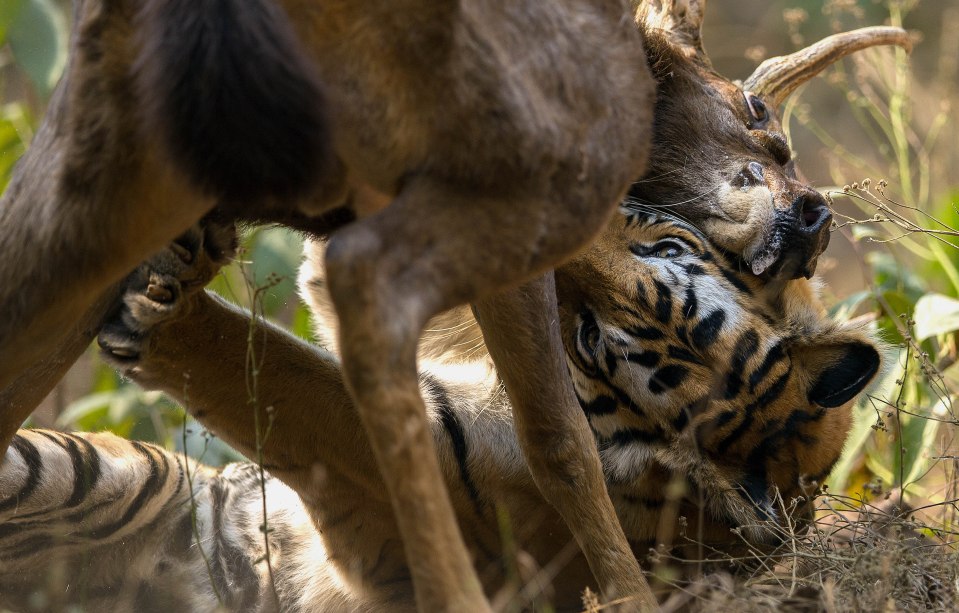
column 748, row 223
column 626, row 462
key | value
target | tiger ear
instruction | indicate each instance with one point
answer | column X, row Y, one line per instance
column 839, row 371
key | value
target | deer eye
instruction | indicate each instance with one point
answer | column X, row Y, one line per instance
column 757, row 109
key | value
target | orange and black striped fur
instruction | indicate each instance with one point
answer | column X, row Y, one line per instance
column 708, row 391
column 110, row 524
column 690, row 369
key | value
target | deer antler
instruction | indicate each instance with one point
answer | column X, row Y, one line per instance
column 778, row 77
column 682, row 20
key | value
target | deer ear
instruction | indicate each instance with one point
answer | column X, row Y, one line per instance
column 680, row 21
column 778, row 77
column 839, row 372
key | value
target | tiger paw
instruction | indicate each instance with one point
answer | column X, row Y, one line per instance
column 161, row 288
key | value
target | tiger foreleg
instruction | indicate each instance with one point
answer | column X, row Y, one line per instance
column 275, row 398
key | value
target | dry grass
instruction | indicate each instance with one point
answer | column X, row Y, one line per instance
column 859, row 556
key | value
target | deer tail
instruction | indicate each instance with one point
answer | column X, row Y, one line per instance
column 234, row 97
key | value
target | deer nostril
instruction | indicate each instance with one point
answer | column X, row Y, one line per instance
column 814, row 217
column 813, row 212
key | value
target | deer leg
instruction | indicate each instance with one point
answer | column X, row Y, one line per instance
column 431, row 249
column 61, row 250
column 519, row 327
column 31, row 386
column 91, row 198
column 381, row 319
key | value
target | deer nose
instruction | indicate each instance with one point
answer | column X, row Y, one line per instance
column 804, row 231
column 811, row 212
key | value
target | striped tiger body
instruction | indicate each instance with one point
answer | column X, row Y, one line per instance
column 110, row 525
column 708, row 389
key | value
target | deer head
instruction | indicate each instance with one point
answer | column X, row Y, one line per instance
column 720, row 158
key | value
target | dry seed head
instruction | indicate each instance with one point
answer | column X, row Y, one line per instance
column 795, row 17
column 756, row 53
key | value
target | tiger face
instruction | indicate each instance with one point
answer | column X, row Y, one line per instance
column 693, row 371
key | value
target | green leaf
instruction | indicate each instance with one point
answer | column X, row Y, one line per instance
column 877, row 461
column 104, row 378
column 276, row 254
column 861, row 431
column 919, row 437
column 888, row 324
column 844, row 309
column 38, row 38
column 87, row 412
column 9, row 10
column 861, row 439
column 935, row 314
column 125, row 407
column 302, row 325
column 16, row 128
column 891, row 275
column 11, row 148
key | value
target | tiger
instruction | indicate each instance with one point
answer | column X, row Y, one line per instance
column 109, row 524
column 719, row 401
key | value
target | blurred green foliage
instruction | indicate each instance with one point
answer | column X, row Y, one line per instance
column 36, row 31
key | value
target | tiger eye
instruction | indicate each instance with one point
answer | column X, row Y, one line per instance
column 667, row 250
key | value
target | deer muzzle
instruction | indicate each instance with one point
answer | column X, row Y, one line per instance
column 800, row 234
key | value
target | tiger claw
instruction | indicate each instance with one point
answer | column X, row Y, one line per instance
column 159, row 293
column 184, row 253
column 160, row 289
column 117, row 341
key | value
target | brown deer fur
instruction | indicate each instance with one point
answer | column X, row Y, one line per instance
column 494, row 127
column 502, row 134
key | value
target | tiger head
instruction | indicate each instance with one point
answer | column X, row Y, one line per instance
column 693, row 371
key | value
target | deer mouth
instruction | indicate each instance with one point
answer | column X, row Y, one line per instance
column 791, row 248
column 780, row 260
column 764, row 260
column 779, row 235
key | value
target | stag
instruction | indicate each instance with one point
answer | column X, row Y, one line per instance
column 454, row 150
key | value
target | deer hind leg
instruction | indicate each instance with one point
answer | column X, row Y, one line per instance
column 553, row 432
column 431, row 249
column 89, row 200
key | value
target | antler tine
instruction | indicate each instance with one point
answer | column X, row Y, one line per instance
column 778, row 77
column 682, row 20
